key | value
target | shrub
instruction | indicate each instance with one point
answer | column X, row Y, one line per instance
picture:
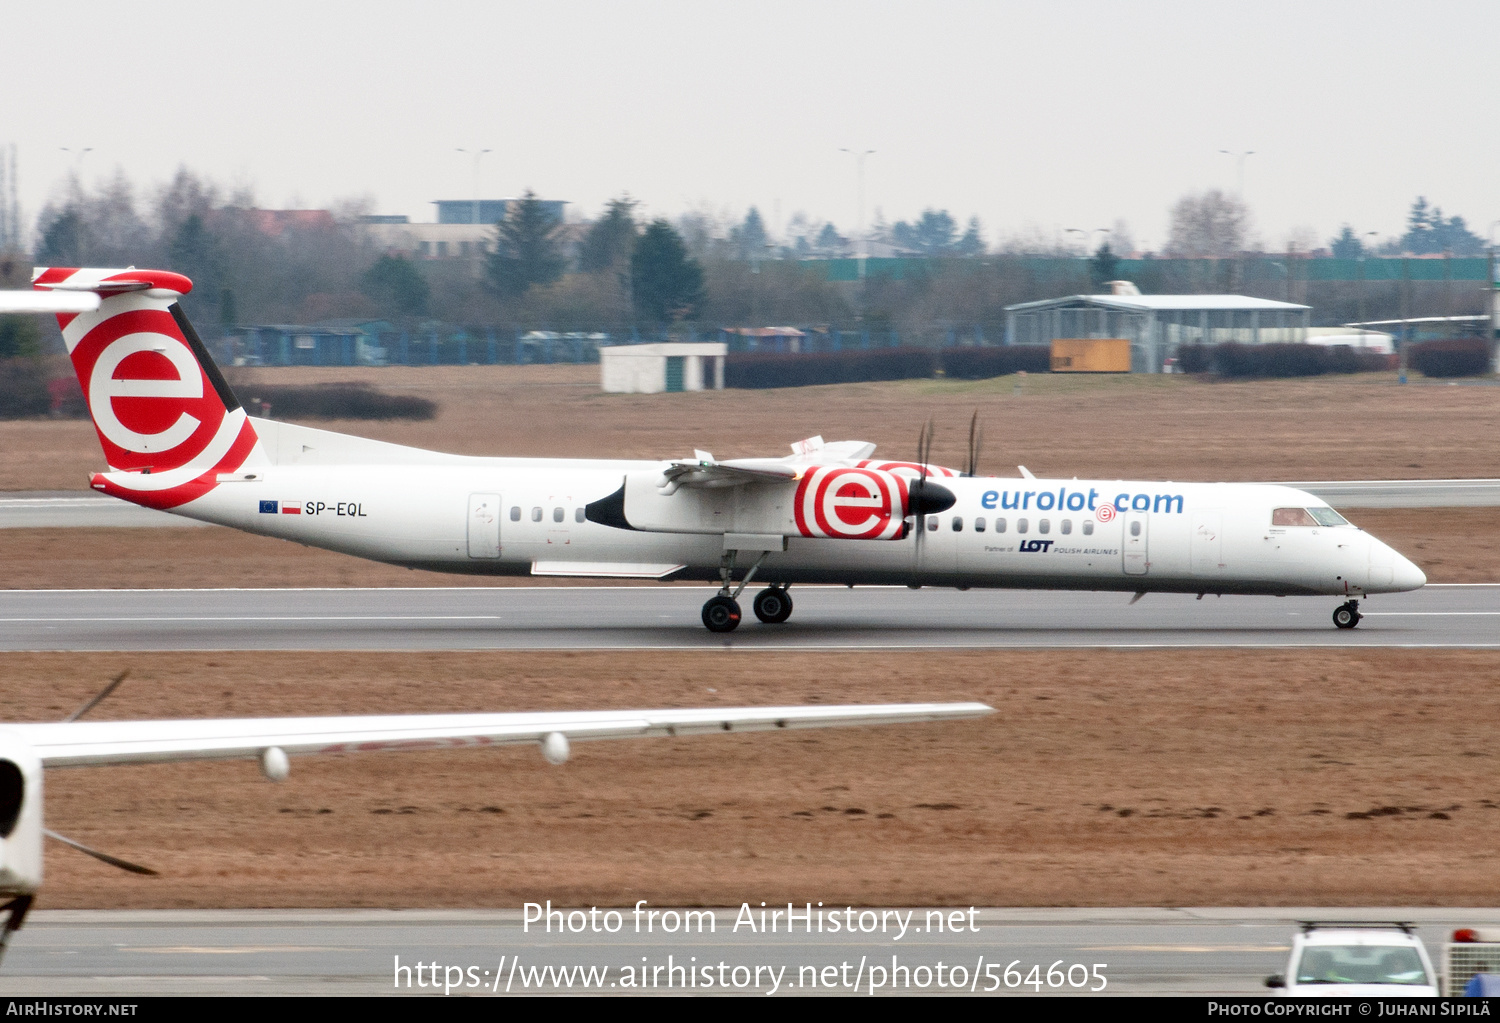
column 335, row 401
column 759, row 370
column 983, row 363
column 1277, row 360
column 23, row 389
column 1460, row 357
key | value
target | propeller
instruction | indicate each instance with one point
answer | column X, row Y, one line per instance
column 976, row 441
column 924, row 496
column 103, row 857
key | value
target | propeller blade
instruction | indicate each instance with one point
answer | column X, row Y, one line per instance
column 103, row 857
column 973, row 443
column 99, row 698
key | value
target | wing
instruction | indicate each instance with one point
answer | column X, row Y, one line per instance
column 86, row 743
column 708, row 473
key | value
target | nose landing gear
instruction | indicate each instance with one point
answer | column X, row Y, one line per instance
column 1346, row 615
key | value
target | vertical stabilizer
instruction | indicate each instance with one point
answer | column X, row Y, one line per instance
column 167, row 420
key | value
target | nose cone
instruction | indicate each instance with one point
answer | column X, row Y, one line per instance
column 1407, row 576
column 1390, row 572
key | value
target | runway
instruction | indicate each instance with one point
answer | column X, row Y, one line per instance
column 86, row 509
column 667, row 617
column 356, row 952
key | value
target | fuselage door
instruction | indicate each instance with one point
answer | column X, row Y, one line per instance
column 484, row 525
column 1208, row 542
column 1133, row 543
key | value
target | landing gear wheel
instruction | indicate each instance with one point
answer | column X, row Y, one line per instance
column 773, row 605
column 721, row 614
column 1347, row 616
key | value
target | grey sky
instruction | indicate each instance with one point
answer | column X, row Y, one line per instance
column 1034, row 116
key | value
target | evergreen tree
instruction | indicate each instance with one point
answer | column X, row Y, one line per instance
column 526, row 249
column 749, row 239
column 666, row 283
column 62, row 240
column 194, row 252
column 610, row 238
column 1104, row 266
column 1347, row 245
column 396, row 285
column 972, row 243
column 932, row 234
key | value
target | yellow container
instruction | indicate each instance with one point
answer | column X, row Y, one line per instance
column 1091, row 355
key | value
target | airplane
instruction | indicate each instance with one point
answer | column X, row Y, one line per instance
column 176, row 438
column 27, row 749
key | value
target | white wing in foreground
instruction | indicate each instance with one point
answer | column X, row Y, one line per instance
column 84, row 743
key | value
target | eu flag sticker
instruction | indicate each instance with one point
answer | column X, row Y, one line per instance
column 268, row 507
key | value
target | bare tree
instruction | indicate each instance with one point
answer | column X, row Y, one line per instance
column 1210, row 223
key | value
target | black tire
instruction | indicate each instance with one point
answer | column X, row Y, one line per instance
column 1346, row 616
column 773, row 605
column 721, row 614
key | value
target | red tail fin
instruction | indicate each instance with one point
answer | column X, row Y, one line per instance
column 167, row 420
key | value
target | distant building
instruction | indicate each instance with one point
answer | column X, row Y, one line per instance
column 1156, row 324
column 668, row 366
column 277, row 222
column 488, row 211
column 455, row 234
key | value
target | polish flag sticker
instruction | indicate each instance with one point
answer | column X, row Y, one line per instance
column 291, row 507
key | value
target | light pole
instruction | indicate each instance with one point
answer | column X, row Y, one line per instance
column 859, row 160
column 1240, row 161
column 1364, row 250
column 476, row 154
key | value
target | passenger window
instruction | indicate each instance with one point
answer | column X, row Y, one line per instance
column 958, row 523
column 1067, row 526
column 1088, row 527
column 979, row 524
column 1020, row 525
column 999, row 525
column 1135, row 529
column 557, row 514
column 579, row 515
column 536, row 515
column 932, row 523
column 1044, row 526
column 515, row 513
column 1292, row 517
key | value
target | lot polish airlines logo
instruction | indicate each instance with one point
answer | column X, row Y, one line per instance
column 850, row 504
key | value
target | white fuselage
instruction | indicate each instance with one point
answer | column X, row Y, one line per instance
column 501, row 516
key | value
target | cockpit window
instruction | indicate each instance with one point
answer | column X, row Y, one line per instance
column 1292, row 517
column 1327, row 517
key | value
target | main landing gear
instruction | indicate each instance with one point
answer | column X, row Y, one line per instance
column 773, row 605
column 722, row 612
column 1346, row 615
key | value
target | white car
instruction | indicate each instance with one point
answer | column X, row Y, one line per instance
column 1343, row 959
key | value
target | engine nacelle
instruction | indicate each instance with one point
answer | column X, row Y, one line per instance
column 833, row 502
column 20, row 818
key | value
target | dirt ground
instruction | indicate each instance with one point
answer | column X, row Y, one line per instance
column 1143, row 427
column 1151, row 778
column 1455, row 545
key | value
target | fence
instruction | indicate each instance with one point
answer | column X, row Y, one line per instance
column 310, row 346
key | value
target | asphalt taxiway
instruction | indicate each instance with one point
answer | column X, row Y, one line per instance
column 357, row 952
column 667, row 617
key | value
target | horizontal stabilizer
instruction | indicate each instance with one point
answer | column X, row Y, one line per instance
column 48, row 301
